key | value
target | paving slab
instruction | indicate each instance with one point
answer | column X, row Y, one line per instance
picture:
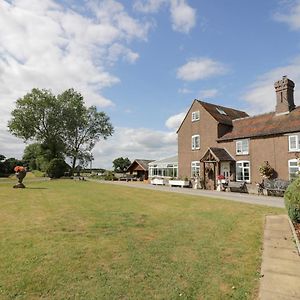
column 280, row 270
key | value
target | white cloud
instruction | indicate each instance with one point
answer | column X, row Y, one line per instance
column 135, row 143
column 150, row 6
column 174, row 121
column 200, row 68
column 261, row 94
column 184, row 91
column 209, row 93
column 44, row 44
column 292, row 17
column 183, row 16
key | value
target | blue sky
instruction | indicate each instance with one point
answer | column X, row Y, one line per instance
column 143, row 62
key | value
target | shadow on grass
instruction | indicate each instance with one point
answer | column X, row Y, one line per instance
column 36, row 188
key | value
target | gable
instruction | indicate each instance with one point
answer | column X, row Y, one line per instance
column 215, row 111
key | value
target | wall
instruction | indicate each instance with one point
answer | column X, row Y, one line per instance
column 206, row 127
column 272, row 149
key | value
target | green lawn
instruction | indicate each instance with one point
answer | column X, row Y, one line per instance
column 83, row 240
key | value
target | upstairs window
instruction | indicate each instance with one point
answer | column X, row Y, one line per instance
column 242, row 147
column 294, row 142
column 195, row 116
column 195, row 142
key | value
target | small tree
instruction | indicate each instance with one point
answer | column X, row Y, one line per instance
column 266, row 170
column 56, row 168
column 121, row 164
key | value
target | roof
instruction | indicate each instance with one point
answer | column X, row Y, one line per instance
column 215, row 111
column 264, row 125
column 227, row 117
column 165, row 161
column 219, row 154
column 142, row 162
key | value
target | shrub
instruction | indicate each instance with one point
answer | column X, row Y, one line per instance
column 292, row 200
column 56, row 168
column 109, row 176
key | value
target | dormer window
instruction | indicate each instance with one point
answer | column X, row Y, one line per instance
column 195, row 116
column 242, row 147
column 221, row 111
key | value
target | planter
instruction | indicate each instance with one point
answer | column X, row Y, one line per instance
column 158, row 181
column 181, row 183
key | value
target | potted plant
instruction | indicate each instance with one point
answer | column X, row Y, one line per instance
column 266, row 171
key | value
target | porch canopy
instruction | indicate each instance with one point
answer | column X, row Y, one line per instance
column 215, row 155
column 212, row 160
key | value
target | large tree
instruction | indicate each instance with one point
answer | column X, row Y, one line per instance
column 37, row 117
column 83, row 127
column 63, row 125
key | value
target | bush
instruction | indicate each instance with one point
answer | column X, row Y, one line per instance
column 57, row 168
column 292, row 200
column 109, row 176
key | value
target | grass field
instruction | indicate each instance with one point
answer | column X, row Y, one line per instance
column 83, row 240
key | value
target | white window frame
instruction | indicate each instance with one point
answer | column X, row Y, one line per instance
column 297, row 143
column 239, row 146
column 195, row 115
column 194, row 144
column 297, row 167
column 195, row 168
column 243, row 171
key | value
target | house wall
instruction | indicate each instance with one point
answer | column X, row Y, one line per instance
column 274, row 149
column 206, row 127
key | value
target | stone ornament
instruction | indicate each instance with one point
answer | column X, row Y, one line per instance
column 20, row 174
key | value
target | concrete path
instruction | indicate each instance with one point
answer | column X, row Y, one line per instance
column 239, row 197
column 280, row 268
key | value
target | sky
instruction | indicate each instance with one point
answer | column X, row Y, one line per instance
column 143, row 62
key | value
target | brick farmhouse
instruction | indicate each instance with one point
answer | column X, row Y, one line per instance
column 214, row 140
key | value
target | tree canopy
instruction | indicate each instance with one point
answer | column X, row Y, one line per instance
column 121, row 164
column 62, row 124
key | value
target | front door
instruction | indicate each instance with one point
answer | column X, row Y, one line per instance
column 210, row 181
column 225, row 169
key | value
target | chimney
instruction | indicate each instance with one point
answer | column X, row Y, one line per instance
column 284, row 95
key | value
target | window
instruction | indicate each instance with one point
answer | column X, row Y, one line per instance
column 195, row 168
column 221, row 111
column 242, row 147
column 294, row 142
column 195, row 142
column 293, row 168
column 243, row 171
column 195, row 116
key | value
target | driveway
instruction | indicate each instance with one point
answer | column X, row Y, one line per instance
column 238, row 197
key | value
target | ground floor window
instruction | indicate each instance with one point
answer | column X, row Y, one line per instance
column 243, row 171
column 195, row 168
column 293, row 168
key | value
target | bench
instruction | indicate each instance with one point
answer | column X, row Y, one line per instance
column 275, row 187
column 234, row 186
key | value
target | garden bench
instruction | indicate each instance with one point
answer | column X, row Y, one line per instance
column 234, row 186
column 275, row 187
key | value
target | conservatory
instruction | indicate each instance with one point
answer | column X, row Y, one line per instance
column 164, row 168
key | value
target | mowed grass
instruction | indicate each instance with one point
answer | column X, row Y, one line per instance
column 83, row 240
